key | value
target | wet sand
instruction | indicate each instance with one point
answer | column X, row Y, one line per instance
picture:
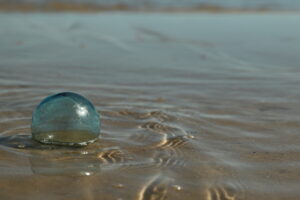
column 193, row 106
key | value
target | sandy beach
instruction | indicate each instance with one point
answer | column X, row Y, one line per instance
column 193, row 105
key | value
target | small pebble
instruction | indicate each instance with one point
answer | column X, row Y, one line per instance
column 177, row 187
column 21, row 146
column 119, row 185
column 86, row 173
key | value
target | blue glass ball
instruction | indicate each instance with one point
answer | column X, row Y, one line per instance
column 65, row 119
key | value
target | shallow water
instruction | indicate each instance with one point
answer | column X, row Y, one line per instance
column 193, row 106
column 71, row 138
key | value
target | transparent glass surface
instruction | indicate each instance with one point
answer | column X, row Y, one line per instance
column 65, row 119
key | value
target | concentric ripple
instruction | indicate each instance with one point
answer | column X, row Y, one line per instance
column 158, row 127
column 156, row 189
column 174, row 142
column 159, row 115
column 111, row 156
column 224, row 192
column 168, row 159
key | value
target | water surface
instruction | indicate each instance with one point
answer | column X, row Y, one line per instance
column 193, row 106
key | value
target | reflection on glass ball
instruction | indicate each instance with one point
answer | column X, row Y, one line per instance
column 65, row 119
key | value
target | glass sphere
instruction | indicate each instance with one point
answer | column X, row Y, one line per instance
column 65, row 119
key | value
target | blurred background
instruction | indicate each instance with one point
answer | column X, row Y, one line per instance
column 89, row 5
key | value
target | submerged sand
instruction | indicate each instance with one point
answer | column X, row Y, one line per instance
column 193, row 106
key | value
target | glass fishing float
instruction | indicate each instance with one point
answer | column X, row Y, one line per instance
column 65, row 119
